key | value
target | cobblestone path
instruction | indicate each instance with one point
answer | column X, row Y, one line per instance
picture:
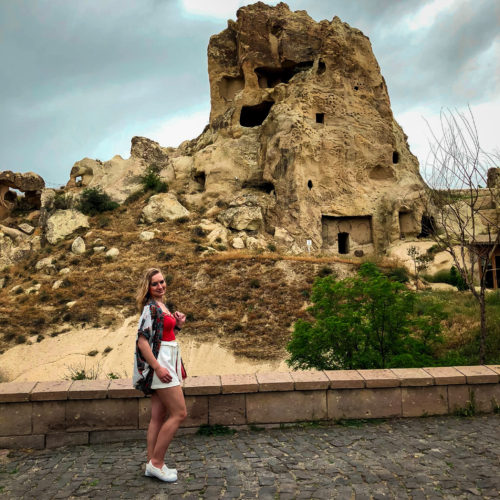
column 448, row 457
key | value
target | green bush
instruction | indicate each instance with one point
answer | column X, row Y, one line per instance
column 399, row 274
column 151, row 180
column 452, row 277
column 94, row 201
column 364, row 322
column 62, row 201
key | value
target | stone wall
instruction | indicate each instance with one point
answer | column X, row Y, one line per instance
column 51, row 414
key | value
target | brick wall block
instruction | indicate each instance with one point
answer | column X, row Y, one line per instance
column 364, row 403
column 422, row 401
column 34, row 441
column 15, row 419
column 49, row 416
column 295, row 406
column 486, row 397
column 58, row 439
column 197, row 411
column 98, row 437
column 459, row 397
column 227, row 409
column 144, row 410
column 89, row 415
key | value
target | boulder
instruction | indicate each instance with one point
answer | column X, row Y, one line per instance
column 43, row 263
column 78, row 246
column 256, row 243
column 238, row 243
column 113, row 253
column 163, row 206
column 146, row 235
column 26, row 228
column 242, row 218
column 29, row 183
column 62, row 223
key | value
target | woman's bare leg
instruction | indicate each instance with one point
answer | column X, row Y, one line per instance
column 172, row 399
column 158, row 412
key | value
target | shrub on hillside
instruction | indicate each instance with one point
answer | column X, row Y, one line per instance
column 364, row 322
column 151, row 180
column 94, row 201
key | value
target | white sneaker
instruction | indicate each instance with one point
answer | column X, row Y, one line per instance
column 164, row 467
column 163, row 474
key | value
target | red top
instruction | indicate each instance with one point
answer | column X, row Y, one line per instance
column 168, row 327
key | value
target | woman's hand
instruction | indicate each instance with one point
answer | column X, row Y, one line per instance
column 163, row 374
column 180, row 318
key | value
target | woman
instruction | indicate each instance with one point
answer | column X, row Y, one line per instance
column 158, row 370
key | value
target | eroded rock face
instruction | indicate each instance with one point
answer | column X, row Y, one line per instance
column 29, row 183
column 301, row 136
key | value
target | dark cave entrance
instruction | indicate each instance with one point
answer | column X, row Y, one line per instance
column 253, row 116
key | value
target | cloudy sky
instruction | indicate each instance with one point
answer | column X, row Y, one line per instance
column 82, row 77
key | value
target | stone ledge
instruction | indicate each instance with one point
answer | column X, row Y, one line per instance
column 446, row 375
column 123, row 388
column 56, row 390
column 380, row 378
column 16, row 392
column 203, row 385
column 345, row 379
column 479, row 374
column 275, row 381
column 310, row 380
column 236, row 384
column 88, row 389
column 409, row 377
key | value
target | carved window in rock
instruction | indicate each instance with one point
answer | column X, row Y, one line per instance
column 408, row 224
column 320, row 117
column 395, row 157
column 200, row 178
column 343, row 243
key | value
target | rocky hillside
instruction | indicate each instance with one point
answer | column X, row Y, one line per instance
column 247, row 299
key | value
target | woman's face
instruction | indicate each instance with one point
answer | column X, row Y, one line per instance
column 157, row 286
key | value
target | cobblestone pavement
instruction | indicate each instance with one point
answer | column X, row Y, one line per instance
column 445, row 457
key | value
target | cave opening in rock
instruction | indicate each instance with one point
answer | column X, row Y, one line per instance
column 356, row 87
column 343, row 240
column 395, row 157
column 253, row 116
column 428, row 226
column 270, row 77
column 320, row 117
column 78, row 180
column 309, row 184
column 200, row 178
column 261, row 185
column 321, row 67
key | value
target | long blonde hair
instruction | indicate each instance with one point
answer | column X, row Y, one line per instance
column 142, row 294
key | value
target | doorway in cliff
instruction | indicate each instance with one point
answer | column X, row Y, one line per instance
column 343, row 241
column 428, row 226
column 253, row 116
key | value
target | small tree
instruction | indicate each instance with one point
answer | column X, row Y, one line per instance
column 457, row 169
column 420, row 262
column 362, row 322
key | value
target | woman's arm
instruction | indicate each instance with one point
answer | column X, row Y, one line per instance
column 161, row 372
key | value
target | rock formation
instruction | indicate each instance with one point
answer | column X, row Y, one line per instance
column 301, row 145
column 30, row 184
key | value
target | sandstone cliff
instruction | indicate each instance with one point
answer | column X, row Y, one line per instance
column 301, row 142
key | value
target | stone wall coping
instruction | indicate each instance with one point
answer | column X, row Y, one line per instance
column 345, row 379
column 88, row 389
column 310, row 380
column 202, row 385
column 239, row 383
column 13, row 392
column 479, row 374
column 275, row 381
column 413, row 377
column 380, row 378
column 58, row 390
column 446, row 375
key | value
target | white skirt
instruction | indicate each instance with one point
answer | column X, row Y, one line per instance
column 170, row 358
